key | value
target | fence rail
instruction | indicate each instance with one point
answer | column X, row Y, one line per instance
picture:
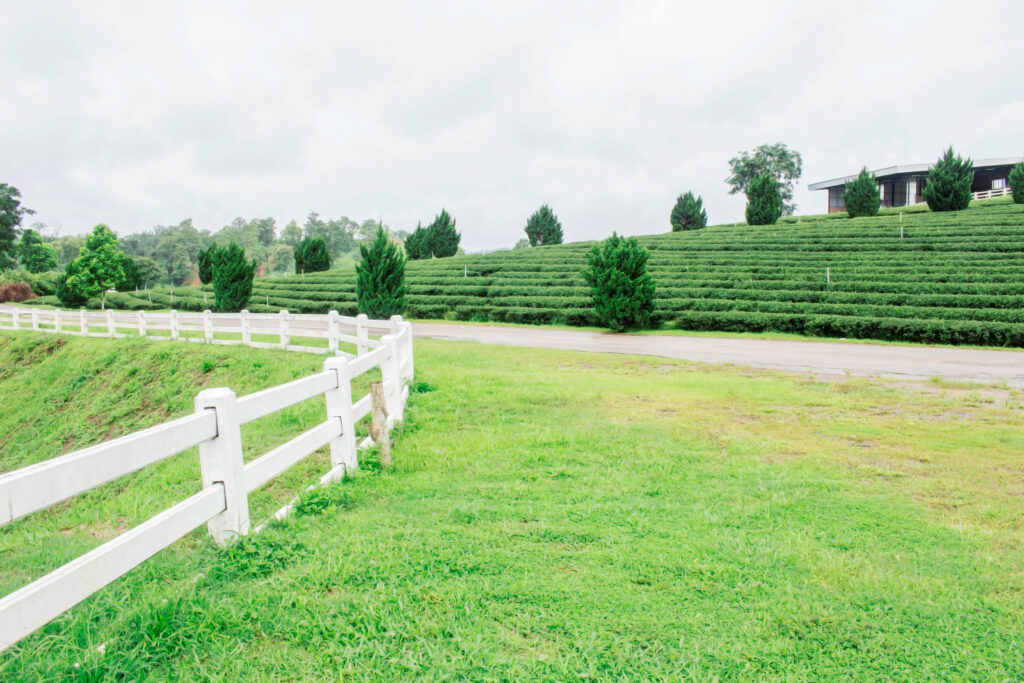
column 215, row 428
column 990, row 194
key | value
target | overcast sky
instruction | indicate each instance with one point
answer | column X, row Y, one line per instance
column 139, row 114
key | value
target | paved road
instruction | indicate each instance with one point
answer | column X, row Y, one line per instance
column 830, row 358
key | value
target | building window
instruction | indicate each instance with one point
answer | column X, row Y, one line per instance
column 998, row 183
column 899, row 193
column 835, row 197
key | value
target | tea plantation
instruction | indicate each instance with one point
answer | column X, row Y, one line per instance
column 951, row 278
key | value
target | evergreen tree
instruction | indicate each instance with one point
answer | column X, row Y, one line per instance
column 623, row 291
column 99, row 266
column 543, row 227
column 862, row 196
column 315, row 256
column 69, row 295
column 11, row 213
column 688, row 213
column 949, row 183
column 205, row 262
column 764, row 203
column 1017, row 183
column 299, row 251
column 232, row 278
column 417, row 245
column 380, row 278
column 36, row 255
column 444, row 241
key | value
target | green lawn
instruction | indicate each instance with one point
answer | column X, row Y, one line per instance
column 551, row 515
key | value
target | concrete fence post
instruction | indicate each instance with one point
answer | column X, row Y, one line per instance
column 339, row 405
column 362, row 334
column 409, row 352
column 332, row 332
column 396, row 324
column 389, row 371
column 207, row 326
column 111, row 330
column 221, row 462
column 173, row 324
column 56, row 320
column 283, row 318
column 244, row 324
column 14, row 320
column 83, row 321
column 142, row 323
column 35, row 319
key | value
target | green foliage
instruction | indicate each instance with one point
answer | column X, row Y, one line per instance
column 622, row 291
column 99, row 266
column 782, row 163
column 764, row 201
column 443, row 239
column 380, row 278
column 232, row 278
column 68, row 290
column 312, row 255
column 141, row 272
column 36, row 255
column 543, row 227
column 1017, row 183
column 11, row 214
column 205, row 263
column 949, row 183
column 688, row 213
column 862, row 196
column 417, row 245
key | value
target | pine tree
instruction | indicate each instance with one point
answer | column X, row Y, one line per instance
column 543, row 227
column 316, row 257
column 764, row 203
column 36, row 255
column 688, row 213
column 1017, row 183
column 622, row 289
column 417, row 245
column 862, row 196
column 299, row 251
column 205, row 259
column 380, row 278
column 99, row 266
column 444, row 241
column 232, row 278
column 949, row 183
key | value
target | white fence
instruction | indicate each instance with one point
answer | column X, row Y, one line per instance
column 233, row 328
column 222, row 503
column 991, row 194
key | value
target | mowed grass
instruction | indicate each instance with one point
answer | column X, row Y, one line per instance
column 551, row 516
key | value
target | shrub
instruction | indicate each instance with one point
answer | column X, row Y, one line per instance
column 1017, row 183
column 16, row 291
column 444, row 241
column 543, row 227
column 949, row 183
column 764, row 203
column 688, row 213
column 380, row 278
column 68, row 293
column 622, row 290
column 232, row 278
column 862, row 196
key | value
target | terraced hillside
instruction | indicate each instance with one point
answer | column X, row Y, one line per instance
column 953, row 278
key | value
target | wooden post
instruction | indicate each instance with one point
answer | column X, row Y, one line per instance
column 283, row 318
column 332, row 332
column 379, row 423
column 83, row 320
column 142, row 323
column 207, row 326
column 220, row 459
column 339, row 405
column 174, row 324
column 361, row 333
column 111, row 330
column 391, row 377
column 244, row 323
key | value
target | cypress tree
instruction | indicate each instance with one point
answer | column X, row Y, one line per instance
column 316, row 257
column 299, row 251
column 764, row 203
column 1017, row 183
column 205, row 258
column 232, row 278
column 949, row 183
column 688, row 213
column 862, row 196
column 543, row 227
column 444, row 241
column 622, row 289
column 417, row 245
column 380, row 278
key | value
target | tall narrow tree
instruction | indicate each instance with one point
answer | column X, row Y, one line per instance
column 444, row 240
column 380, row 278
column 949, row 183
column 417, row 245
column 764, row 203
column 688, row 213
column 543, row 227
column 1017, row 183
column 862, row 196
column 232, row 278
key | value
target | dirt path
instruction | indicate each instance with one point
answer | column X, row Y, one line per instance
column 830, row 358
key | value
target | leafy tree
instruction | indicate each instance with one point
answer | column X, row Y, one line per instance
column 315, row 256
column 543, row 227
column 232, row 278
column 36, row 255
column 949, row 183
column 266, row 230
column 11, row 213
column 380, row 278
column 623, row 291
column 292, row 234
column 280, row 258
column 444, row 241
column 417, row 245
column 862, row 196
column 688, row 213
column 764, row 201
column 1017, row 183
column 522, row 244
column 206, row 257
column 140, row 272
column 784, row 164
column 99, row 266
column 68, row 293
column 67, row 248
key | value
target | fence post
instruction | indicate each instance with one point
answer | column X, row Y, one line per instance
column 207, row 326
column 83, row 321
column 35, row 319
column 142, row 323
column 339, row 405
column 221, row 462
column 361, row 333
column 244, row 323
column 14, row 319
column 392, row 389
column 56, row 320
column 174, row 324
column 332, row 332
column 396, row 324
column 409, row 351
column 283, row 318
column 111, row 330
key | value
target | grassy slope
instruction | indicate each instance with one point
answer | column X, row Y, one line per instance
column 551, row 515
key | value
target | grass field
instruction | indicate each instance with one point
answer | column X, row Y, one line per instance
column 552, row 516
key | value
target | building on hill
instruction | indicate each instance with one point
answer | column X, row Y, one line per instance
column 902, row 185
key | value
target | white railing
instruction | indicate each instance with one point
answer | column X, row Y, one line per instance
column 233, row 328
column 990, row 194
column 222, row 503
